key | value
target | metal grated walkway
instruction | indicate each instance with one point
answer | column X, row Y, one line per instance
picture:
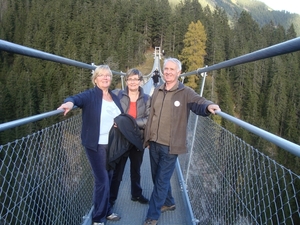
column 134, row 213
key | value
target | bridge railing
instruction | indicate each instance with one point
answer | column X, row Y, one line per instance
column 45, row 178
column 230, row 182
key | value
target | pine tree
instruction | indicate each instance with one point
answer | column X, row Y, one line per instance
column 192, row 55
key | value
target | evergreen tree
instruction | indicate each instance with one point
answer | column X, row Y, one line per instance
column 193, row 53
column 218, row 34
column 245, row 40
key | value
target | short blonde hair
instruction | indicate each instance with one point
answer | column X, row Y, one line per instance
column 98, row 71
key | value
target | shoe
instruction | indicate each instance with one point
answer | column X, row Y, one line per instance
column 165, row 208
column 140, row 199
column 150, row 222
column 96, row 223
column 113, row 217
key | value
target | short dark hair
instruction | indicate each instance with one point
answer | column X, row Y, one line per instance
column 132, row 72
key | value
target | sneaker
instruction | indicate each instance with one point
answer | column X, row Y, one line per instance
column 165, row 208
column 96, row 223
column 113, row 217
column 150, row 222
column 140, row 199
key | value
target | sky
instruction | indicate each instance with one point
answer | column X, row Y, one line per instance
column 292, row 6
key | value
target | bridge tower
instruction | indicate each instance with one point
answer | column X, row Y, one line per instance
column 157, row 52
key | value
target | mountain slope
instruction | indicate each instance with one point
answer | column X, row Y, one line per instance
column 260, row 12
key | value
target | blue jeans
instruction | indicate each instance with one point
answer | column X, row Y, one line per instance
column 102, row 179
column 162, row 168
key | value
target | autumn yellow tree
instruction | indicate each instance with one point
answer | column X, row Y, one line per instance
column 192, row 55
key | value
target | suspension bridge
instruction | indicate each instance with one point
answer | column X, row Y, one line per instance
column 46, row 178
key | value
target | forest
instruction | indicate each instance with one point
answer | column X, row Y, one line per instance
column 119, row 32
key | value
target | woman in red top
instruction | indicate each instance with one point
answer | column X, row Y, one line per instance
column 137, row 104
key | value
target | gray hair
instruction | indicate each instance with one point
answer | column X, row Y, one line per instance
column 132, row 72
column 174, row 60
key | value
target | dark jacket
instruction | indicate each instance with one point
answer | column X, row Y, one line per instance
column 142, row 105
column 90, row 101
column 183, row 101
column 155, row 77
column 126, row 133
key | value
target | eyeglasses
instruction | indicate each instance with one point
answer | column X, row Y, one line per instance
column 133, row 79
column 104, row 76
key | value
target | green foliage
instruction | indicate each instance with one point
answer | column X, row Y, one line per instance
column 192, row 55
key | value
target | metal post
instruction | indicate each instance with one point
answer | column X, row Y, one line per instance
column 122, row 82
column 203, row 82
column 195, row 126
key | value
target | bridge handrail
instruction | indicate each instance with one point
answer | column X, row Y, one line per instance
column 30, row 119
column 289, row 46
column 278, row 49
column 22, row 50
column 280, row 142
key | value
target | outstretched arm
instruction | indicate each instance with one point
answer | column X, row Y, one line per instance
column 213, row 108
column 66, row 107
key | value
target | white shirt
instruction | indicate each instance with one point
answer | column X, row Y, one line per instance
column 109, row 111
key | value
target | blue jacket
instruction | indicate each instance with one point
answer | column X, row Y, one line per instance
column 90, row 101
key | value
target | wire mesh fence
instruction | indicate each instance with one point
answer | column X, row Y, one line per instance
column 230, row 182
column 45, row 177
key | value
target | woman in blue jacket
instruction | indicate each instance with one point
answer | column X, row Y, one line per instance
column 99, row 108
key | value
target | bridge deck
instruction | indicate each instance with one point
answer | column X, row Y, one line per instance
column 134, row 213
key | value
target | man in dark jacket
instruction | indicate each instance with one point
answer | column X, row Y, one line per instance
column 156, row 77
column 166, row 133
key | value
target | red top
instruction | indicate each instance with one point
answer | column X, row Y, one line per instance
column 132, row 109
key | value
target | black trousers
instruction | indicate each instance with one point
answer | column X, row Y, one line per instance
column 136, row 159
